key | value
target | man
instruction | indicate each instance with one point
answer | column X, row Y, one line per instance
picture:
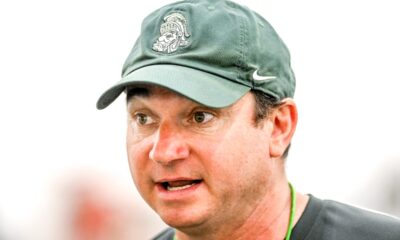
column 210, row 120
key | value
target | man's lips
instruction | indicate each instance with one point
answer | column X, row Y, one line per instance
column 178, row 184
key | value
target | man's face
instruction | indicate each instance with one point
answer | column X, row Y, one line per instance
column 198, row 167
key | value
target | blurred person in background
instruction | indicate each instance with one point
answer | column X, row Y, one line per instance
column 211, row 117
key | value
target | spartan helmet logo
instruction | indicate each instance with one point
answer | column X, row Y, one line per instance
column 173, row 34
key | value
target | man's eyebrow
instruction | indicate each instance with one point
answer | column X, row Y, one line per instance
column 139, row 91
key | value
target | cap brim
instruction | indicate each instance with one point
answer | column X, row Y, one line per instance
column 202, row 87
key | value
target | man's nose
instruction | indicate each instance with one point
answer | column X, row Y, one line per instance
column 168, row 145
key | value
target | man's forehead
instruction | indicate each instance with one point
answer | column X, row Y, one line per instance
column 154, row 91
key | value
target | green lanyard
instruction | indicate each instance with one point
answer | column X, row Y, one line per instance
column 292, row 213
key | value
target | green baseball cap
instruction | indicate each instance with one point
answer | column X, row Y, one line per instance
column 210, row 51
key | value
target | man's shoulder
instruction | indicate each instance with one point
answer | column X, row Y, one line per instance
column 167, row 234
column 348, row 214
column 334, row 220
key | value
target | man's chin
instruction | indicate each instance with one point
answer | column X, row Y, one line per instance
column 188, row 223
column 181, row 222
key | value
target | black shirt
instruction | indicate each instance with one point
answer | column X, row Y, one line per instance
column 331, row 220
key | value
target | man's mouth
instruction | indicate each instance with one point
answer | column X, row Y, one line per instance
column 179, row 185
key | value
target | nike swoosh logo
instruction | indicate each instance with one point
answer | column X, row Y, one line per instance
column 257, row 77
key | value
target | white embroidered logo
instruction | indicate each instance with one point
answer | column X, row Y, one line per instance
column 257, row 77
column 173, row 34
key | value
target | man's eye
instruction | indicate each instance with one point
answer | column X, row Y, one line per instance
column 202, row 117
column 143, row 119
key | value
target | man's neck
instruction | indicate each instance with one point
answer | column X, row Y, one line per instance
column 269, row 220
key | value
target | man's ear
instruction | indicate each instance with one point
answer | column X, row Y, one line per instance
column 284, row 121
